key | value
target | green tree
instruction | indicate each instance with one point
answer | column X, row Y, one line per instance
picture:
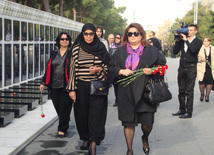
column 205, row 22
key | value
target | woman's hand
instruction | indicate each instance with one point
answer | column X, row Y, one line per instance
column 95, row 69
column 72, row 95
column 41, row 87
column 203, row 59
column 147, row 71
column 125, row 72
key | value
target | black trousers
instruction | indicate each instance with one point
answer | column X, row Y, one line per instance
column 90, row 113
column 186, row 83
column 63, row 105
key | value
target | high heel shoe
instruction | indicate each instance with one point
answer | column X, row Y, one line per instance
column 85, row 147
column 202, row 98
column 207, row 100
column 145, row 150
column 127, row 153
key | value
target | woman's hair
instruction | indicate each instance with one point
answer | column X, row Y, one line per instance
column 59, row 37
column 99, row 27
column 140, row 29
column 208, row 38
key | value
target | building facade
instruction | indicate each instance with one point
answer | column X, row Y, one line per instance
column 27, row 36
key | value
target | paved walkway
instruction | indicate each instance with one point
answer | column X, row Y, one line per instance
column 170, row 135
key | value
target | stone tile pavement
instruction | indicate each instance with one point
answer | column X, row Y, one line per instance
column 170, row 135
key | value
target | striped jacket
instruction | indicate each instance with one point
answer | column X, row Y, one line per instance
column 80, row 63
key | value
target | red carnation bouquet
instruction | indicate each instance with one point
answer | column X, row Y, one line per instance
column 41, row 103
column 126, row 81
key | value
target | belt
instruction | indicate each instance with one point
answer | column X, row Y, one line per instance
column 187, row 65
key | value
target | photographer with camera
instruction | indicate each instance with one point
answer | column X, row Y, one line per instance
column 189, row 47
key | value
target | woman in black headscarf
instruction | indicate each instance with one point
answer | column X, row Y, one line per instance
column 89, row 61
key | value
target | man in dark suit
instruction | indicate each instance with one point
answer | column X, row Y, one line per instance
column 189, row 47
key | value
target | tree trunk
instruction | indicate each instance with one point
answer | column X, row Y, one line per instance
column 46, row 5
column 27, row 2
column 75, row 14
column 61, row 8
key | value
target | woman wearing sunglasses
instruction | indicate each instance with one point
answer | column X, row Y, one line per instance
column 134, row 54
column 89, row 61
column 56, row 78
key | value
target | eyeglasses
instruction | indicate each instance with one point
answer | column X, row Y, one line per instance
column 64, row 39
column 117, row 37
column 131, row 33
column 88, row 34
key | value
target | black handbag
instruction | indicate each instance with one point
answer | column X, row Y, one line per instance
column 99, row 87
column 156, row 91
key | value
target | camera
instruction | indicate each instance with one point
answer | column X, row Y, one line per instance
column 183, row 29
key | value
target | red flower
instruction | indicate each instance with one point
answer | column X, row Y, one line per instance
column 162, row 73
column 166, row 67
column 0, row 99
column 155, row 71
column 158, row 70
column 14, row 93
column 42, row 115
column 162, row 67
column 25, row 89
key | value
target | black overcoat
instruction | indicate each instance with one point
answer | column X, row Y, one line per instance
column 130, row 99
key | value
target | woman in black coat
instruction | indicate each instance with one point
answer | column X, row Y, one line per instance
column 134, row 54
column 56, row 78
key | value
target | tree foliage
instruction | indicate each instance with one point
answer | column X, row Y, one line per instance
column 205, row 22
column 99, row 12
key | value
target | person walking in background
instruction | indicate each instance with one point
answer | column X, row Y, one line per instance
column 112, row 46
column 205, row 70
column 117, row 44
column 166, row 49
column 171, row 50
column 56, row 78
column 99, row 32
column 118, row 38
column 189, row 47
column 89, row 61
column 152, row 35
column 132, row 109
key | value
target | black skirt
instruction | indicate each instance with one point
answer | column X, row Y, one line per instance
column 208, row 78
column 145, row 118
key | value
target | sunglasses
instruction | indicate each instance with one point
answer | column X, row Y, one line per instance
column 64, row 39
column 88, row 34
column 117, row 37
column 131, row 33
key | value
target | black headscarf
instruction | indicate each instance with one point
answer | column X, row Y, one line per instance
column 156, row 43
column 119, row 44
column 96, row 48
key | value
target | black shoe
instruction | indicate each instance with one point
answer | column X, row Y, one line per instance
column 115, row 104
column 85, row 147
column 201, row 99
column 145, row 150
column 207, row 100
column 128, row 152
column 178, row 113
column 186, row 115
